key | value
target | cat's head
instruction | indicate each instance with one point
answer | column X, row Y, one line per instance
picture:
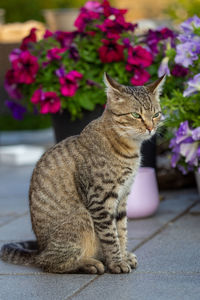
column 135, row 110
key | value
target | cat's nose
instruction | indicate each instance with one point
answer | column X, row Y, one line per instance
column 149, row 128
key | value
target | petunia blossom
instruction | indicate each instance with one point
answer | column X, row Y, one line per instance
column 193, row 86
column 31, row 38
column 139, row 56
column 111, row 51
column 16, row 109
column 49, row 101
column 140, row 77
column 54, row 53
column 68, row 82
column 11, row 85
column 25, row 67
column 186, row 53
column 164, row 68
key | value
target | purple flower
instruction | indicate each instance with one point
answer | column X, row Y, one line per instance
column 189, row 151
column 186, row 144
column 126, row 42
column 190, row 24
column 186, row 53
column 155, row 36
column 193, row 86
column 17, row 109
column 53, row 54
column 65, row 38
column 164, row 68
column 183, row 132
column 196, row 134
column 179, row 71
column 60, row 72
column 11, row 85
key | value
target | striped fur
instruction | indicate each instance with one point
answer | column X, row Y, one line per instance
column 79, row 188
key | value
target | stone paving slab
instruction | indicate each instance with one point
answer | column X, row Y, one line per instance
column 17, row 230
column 169, row 268
column 42, row 287
column 142, row 286
column 175, row 249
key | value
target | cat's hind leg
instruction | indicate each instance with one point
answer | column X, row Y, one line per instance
column 72, row 247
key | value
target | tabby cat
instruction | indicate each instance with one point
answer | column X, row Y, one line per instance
column 79, row 188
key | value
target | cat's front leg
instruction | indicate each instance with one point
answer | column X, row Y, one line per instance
column 121, row 220
column 104, row 216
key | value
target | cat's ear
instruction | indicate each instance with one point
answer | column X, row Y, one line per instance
column 156, row 87
column 112, row 84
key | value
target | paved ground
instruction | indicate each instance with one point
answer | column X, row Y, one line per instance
column 167, row 246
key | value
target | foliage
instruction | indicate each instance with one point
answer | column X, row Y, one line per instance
column 23, row 10
column 180, row 10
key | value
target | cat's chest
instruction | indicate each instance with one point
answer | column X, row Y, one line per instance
column 124, row 188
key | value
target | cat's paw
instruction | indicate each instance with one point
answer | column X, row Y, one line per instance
column 93, row 267
column 131, row 259
column 119, row 267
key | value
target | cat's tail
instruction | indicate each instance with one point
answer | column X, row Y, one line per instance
column 23, row 253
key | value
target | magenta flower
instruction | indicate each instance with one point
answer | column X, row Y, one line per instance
column 11, row 85
column 139, row 56
column 68, row 81
column 25, row 67
column 31, row 38
column 49, row 101
column 84, row 18
column 155, row 36
column 111, row 51
column 16, row 109
column 140, row 77
column 47, row 34
column 53, row 54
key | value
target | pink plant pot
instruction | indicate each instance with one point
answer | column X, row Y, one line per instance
column 143, row 200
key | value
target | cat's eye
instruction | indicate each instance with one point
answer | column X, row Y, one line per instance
column 136, row 115
column 156, row 115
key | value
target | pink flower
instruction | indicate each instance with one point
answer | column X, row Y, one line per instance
column 47, row 34
column 25, row 67
column 14, row 54
column 141, row 76
column 49, row 101
column 111, row 51
column 53, row 54
column 93, row 6
column 68, row 82
column 84, row 17
column 139, row 56
column 11, row 85
column 31, row 38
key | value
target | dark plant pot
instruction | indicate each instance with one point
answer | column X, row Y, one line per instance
column 64, row 127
